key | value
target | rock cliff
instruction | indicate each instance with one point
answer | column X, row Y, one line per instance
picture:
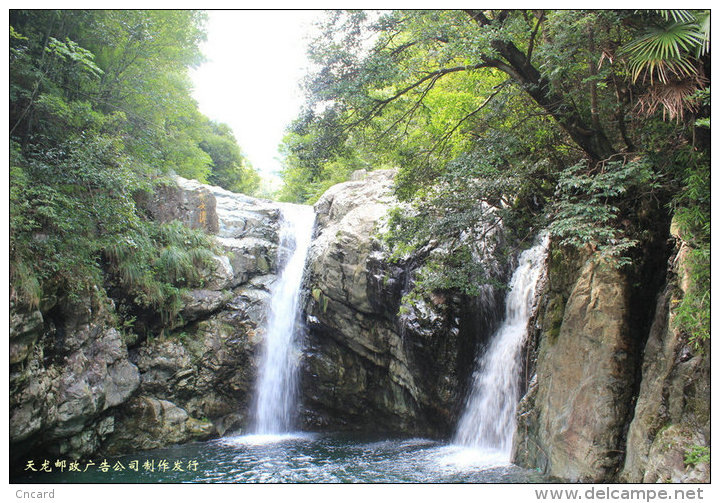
column 197, row 382
column 366, row 366
column 69, row 370
column 79, row 386
column 612, row 398
column 672, row 412
column 613, row 391
column 572, row 417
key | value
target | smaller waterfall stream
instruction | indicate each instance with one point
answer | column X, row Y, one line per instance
column 489, row 418
column 275, row 391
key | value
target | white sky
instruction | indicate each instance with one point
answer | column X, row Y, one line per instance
column 256, row 60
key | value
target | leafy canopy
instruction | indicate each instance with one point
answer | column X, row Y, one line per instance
column 540, row 114
column 100, row 109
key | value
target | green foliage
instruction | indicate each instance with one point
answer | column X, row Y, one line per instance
column 692, row 217
column 692, row 313
column 100, row 108
column 317, row 154
column 59, row 210
column 24, row 284
column 229, row 169
column 697, row 454
column 459, row 270
column 589, row 207
column 320, row 298
column 670, row 49
column 538, row 114
column 70, row 51
column 669, row 54
column 154, row 265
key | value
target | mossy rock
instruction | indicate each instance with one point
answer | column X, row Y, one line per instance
column 554, row 314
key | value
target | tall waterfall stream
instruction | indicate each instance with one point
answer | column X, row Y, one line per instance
column 489, row 418
column 275, row 395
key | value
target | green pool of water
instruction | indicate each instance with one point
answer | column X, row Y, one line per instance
column 291, row 458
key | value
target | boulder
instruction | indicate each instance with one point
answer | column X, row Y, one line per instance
column 221, row 275
column 188, row 201
column 367, row 365
column 207, row 370
column 148, row 423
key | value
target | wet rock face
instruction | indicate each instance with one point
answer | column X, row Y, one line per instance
column 76, row 390
column 197, row 382
column 571, row 420
column 74, row 372
column 25, row 329
column 365, row 366
column 207, row 371
column 672, row 413
column 148, row 423
column 601, row 407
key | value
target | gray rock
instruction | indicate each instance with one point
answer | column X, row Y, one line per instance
column 25, row 329
column 249, row 257
column 159, row 361
column 148, row 423
column 571, row 421
column 242, row 216
column 365, row 367
column 70, row 370
column 201, row 303
column 78, row 369
column 187, row 201
column 672, row 413
column 221, row 276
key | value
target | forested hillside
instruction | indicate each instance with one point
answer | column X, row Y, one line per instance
column 100, row 112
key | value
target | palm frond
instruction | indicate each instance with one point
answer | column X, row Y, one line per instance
column 703, row 22
column 675, row 98
column 677, row 15
column 665, row 51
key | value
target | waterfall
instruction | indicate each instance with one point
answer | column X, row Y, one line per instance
column 275, row 392
column 489, row 418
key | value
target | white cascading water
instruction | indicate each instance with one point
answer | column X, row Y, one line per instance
column 489, row 418
column 275, row 391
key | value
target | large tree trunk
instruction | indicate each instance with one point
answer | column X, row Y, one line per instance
column 592, row 140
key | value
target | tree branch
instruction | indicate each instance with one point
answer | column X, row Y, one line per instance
column 531, row 45
column 379, row 105
column 447, row 135
column 410, row 112
column 592, row 141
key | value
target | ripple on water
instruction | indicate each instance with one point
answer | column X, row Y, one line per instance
column 315, row 458
column 267, row 438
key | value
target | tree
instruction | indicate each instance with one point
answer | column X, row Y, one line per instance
column 229, row 169
column 100, row 109
column 668, row 54
column 534, row 112
column 455, row 46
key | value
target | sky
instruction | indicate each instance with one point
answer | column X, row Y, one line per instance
column 251, row 80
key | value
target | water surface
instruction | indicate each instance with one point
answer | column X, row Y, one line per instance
column 302, row 458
